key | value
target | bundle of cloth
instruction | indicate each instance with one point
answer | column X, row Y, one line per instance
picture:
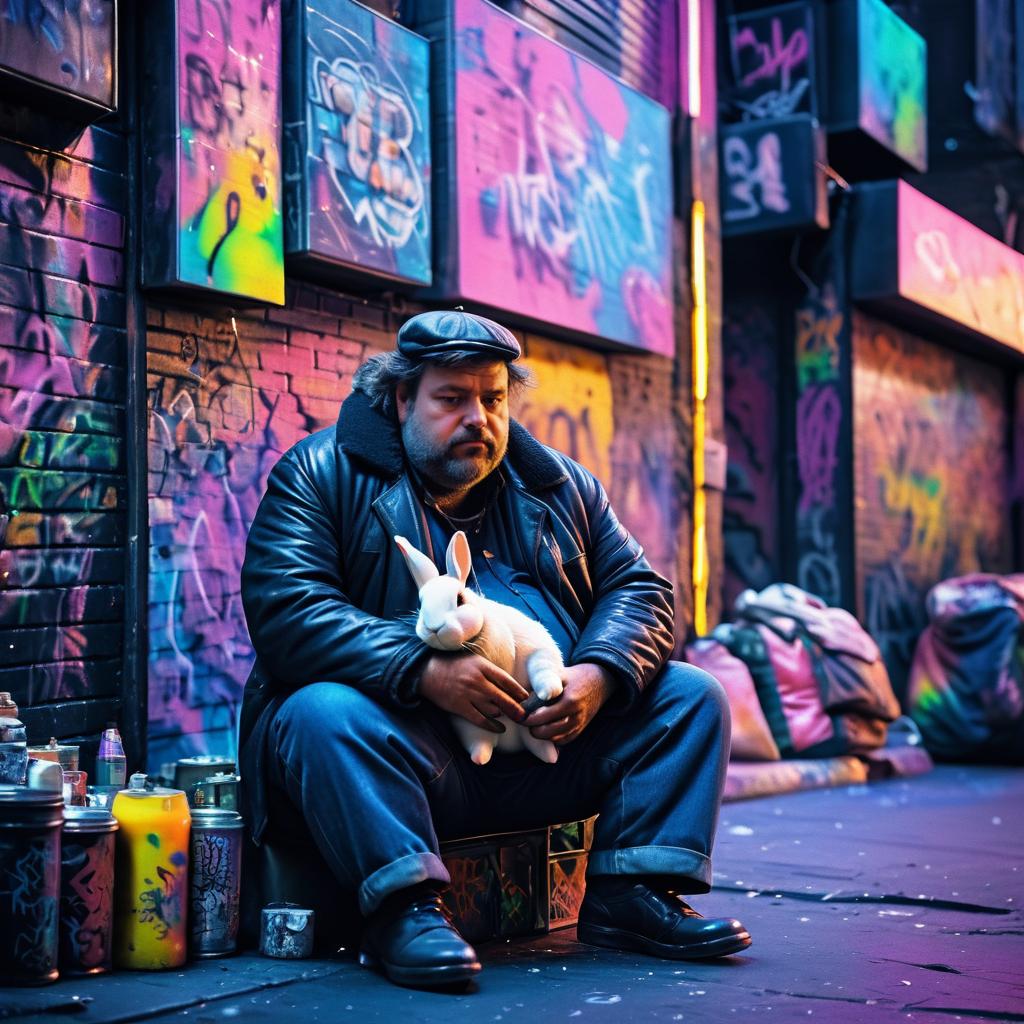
column 803, row 679
column 966, row 690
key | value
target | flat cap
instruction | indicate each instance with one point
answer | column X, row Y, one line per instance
column 441, row 331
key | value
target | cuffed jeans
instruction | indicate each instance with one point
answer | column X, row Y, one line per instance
column 379, row 788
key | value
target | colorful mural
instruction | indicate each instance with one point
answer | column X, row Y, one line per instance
column 223, row 407
column 750, row 520
column 214, row 208
column 772, row 177
column 358, row 143
column 948, row 265
column 819, row 421
column 773, row 63
column 931, row 468
column 62, row 429
column 561, row 191
column 65, row 45
column 892, row 78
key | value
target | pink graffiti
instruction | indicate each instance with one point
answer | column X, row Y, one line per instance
column 819, row 414
column 777, row 56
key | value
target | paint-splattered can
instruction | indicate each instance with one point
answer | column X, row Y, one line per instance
column 151, row 896
column 30, row 821
column 214, row 891
column 86, row 890
column 286, row 931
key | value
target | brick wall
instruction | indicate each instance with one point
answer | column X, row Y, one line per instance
column 62, row 394
column 222, row 411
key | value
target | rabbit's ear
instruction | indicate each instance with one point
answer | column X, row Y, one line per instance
column 458, row 557
column 422, row 568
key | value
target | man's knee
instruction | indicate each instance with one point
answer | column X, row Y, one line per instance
column 324, row 712
column 693, row 691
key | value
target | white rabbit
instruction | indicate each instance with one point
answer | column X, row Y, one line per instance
column 452, row 617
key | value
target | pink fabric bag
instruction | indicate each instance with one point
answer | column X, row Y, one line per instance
column 751, row 738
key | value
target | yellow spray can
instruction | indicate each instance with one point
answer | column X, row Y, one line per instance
column 151, row 891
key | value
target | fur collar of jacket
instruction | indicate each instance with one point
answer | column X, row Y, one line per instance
column 366, row 434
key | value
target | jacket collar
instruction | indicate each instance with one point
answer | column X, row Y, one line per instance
column 366, row 434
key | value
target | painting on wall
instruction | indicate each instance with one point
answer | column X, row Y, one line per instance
column 877, row 83
column 772, row 176
column 559, row 185
column 357, row 146
column 213, row 174
column 920, row 258
column 772, row 63
column 64, row 50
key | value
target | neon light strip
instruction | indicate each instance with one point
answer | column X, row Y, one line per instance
column 693, row 99
column 698, row 273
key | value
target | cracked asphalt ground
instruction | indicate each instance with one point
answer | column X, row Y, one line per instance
column 895, row 901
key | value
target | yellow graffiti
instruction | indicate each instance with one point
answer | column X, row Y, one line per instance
column 571, row 407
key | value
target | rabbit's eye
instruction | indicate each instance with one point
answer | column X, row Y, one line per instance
column 461, row 599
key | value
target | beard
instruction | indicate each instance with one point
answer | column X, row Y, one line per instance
column 440, row 466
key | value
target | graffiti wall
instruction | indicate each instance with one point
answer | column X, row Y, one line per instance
column 614, row 415
column 892, row 80
column 66, row 46
column 772, row 63
column 62, row 392
column 772, row 176
column 358, row 146
column 948, row 265
column 821, row 511
column 223, row 407
column 214, row 190
column 561, row 186
column 750, row 521
column 931, row 469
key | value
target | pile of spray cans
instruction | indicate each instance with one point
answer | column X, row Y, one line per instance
column 138, row 879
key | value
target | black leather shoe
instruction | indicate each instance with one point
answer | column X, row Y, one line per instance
column 623, row 913
column 412, row 939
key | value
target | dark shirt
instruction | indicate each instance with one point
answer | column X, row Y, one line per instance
column 499, row 572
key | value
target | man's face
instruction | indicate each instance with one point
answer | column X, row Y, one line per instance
column 455, row 430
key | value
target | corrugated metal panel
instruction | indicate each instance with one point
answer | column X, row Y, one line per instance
column 634, row 39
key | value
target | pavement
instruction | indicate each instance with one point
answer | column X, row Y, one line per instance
column 889, row 901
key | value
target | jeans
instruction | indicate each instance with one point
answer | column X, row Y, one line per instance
column 378, row 788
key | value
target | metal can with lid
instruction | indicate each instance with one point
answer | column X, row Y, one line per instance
column 30, row 821
column 13, row 749
column 216, row 856
column 219, row 790
column 86, row 890
column 190, row 770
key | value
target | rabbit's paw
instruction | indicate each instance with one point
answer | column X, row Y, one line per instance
column 547, row 684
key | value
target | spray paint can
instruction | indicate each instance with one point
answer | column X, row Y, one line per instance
column 151, row 898
column 86, row 890
column 30, row 822
column 13, row 750
column 286, row 931
column 110, row 759
column 216, row 857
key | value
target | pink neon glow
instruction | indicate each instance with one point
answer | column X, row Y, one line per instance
column 948, row 265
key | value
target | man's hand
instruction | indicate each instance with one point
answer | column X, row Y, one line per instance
column 472, row 688
column 586, row 687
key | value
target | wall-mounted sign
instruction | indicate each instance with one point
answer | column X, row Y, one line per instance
column 772, row 62
column 913, row 253
column 558, row 202
column 213, row 163
column 878, row 79
column 772, row 176
column 357, row 145
column 62, row 53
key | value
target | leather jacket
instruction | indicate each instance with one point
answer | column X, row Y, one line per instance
column 324, row 584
